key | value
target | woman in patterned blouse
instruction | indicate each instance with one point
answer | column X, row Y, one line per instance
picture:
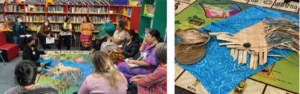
column 156, row 82
column 149, row 64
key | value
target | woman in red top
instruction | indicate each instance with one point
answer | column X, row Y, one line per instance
column 156, row 82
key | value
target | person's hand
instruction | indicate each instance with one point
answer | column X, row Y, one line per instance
column 49, row 37
column 145, row 41
column 103, row 28
column 110, row 38
column 120, row 50
column 140, row 76
column 130, row 61
column 45, row 52
column 106, row 35
column 22, row 35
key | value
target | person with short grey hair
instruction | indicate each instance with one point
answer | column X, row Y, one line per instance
column 156, row 82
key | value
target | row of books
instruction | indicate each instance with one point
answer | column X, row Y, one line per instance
column 35, row 18
column 13, row 17
column 98, row 19
column 76, row 19
column 34, row 26
column 149, row 9
column 74, row 2
column 33, row 8
column 56, row 18
column 98, row 9
column 77, row 9
column 1, row 17
column 55, row 26
column 1, row 8
column 127, row 12
column 12, row 8
column 55, row 9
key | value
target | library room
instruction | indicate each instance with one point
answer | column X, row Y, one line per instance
column 83, row 46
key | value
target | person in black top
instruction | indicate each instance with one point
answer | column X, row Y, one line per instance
column 129, row 48
column 66, row 28
column 32, row 53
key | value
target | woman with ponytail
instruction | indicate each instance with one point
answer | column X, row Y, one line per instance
column 149, row 64
column 25, row 75
column 129, row 48
column 106, row 79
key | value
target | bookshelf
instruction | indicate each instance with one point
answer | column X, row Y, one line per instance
column 154, row 16
column 34, row 15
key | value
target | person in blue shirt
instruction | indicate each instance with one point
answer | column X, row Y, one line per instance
column 105, row 31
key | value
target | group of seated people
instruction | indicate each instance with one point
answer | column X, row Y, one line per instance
column 149, row 76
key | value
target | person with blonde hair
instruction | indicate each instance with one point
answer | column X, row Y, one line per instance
column 106, row 78
column 156, row 82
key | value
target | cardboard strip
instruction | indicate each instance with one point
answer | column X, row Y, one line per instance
column 235, row 54
column 265, row 55
column 225, row 39
column 229, row 43
column 245, row 57
column 255, row 61
column 251, row 61
column 232, row 52
column 261, row 60
column 221, row 33
column 240, row 60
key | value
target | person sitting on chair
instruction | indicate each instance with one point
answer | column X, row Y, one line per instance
column 18, row 29
column 66, row 34
column 25, row 76
column 32, row 53
column 45, row 32
column 129, row 48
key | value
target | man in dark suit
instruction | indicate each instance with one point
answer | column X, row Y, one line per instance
column 31, row 52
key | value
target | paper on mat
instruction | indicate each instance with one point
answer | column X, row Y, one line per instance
column 50, row 41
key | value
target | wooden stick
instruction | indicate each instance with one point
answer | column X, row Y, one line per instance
column 245, row 57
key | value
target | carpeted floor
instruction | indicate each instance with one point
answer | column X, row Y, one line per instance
column 7, row 70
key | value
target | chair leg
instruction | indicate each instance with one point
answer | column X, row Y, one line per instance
column 2, row 59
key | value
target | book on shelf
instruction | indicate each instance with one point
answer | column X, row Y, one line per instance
column 146, row 30
column 129, row 12
column 128, row 24
column 1, row 17
column 1, row 8
column 149, row 10
column 33, row 8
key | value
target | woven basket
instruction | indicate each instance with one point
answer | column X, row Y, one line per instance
column 190, row 56
column 190, row 48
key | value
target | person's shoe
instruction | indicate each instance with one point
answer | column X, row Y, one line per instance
column 68, row 48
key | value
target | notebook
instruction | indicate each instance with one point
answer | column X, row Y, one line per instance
column 138, row 56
